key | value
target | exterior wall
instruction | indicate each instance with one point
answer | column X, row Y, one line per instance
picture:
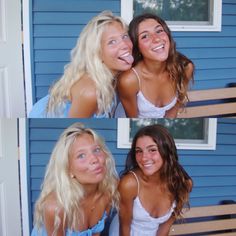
column 56, row 25
column 213, row 172
column 213, row 53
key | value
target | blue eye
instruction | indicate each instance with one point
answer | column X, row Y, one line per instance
column 111, row 42
column 97, row 150
column 81, row 156
column 125, row 36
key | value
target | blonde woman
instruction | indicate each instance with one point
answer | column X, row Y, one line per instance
column 87, row 87
column 79, row 188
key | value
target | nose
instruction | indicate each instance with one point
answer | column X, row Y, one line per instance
column 155, row 38
column 144, row 155
column 125, row 43
column 93, row 159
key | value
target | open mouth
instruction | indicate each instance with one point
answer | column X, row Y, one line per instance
column 147, row 165
column 158, row 47
column 127, row 58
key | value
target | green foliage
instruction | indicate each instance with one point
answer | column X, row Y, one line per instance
column 179, row 128
column 175, row 10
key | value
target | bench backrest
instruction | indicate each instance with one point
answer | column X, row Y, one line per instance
column 223, row 107
column 219, row 221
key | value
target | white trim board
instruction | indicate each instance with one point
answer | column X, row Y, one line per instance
column 216, row 24
column 27, row 56
column 23, row 177
column 123, row 136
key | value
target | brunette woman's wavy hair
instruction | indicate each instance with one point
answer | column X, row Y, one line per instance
column 172, row 173
column 176, row 62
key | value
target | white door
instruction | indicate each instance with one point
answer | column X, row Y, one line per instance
column 10, row 222
column 11, row 65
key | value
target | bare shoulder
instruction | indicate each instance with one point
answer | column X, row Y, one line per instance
column 51, row 211
column 127, row 83
column 128, row 80
column 190, row 185
column 85, row 87
column 128, row 185
column 51, row 206
column 189, row 68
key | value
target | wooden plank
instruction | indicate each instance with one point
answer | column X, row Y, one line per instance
column 225, row 234
column 211, row 94
column 201, row 227
column 208, row 110
column 210, row 211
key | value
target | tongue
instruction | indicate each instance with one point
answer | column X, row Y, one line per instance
column 128, row 59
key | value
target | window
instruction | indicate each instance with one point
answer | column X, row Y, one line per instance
column 191, row 15
column 195, row 134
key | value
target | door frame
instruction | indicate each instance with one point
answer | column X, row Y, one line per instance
column 22, row 134
column 27, row 28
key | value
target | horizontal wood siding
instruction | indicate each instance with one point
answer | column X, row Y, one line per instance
column 57, row 23
column 213, row 53
column 56, row 26
column 213, row 171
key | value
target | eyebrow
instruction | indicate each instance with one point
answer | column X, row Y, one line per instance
column 156, row 27
column 149, row 146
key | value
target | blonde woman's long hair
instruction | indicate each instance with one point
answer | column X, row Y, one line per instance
column 85, row 59
column 68, row 191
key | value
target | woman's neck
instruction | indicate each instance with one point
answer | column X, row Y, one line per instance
column 151, row 179
column 154, row 67
column 90, row 189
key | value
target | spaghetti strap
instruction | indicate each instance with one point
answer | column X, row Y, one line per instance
column 136, row 177
column 137, row 75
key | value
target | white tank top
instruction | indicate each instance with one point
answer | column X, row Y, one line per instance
column 146, row 109
column 143, row 223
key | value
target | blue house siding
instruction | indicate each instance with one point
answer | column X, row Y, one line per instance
column 213, row 171
column 56, row 25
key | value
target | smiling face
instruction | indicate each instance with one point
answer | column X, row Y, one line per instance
column 116, row 48
column 153, row 41
column 87, row 162
column 147, row 155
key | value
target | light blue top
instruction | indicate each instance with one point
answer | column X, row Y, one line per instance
column 39, row 110
column 98, row 228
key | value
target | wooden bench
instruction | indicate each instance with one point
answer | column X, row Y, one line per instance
column 220, row 221
column 222, row 97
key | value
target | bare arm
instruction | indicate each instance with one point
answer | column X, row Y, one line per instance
column 164, row 228
column 173, row 112
column 189, row 69
column 49, row 219
column 127, row 89
column 83, row 99
column 128, row 191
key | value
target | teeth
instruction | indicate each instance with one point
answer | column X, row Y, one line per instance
column 159, row 47
column 124, row 55
column 148, row 165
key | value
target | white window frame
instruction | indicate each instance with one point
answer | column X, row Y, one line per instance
column 123, row 137
column 127, row 15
